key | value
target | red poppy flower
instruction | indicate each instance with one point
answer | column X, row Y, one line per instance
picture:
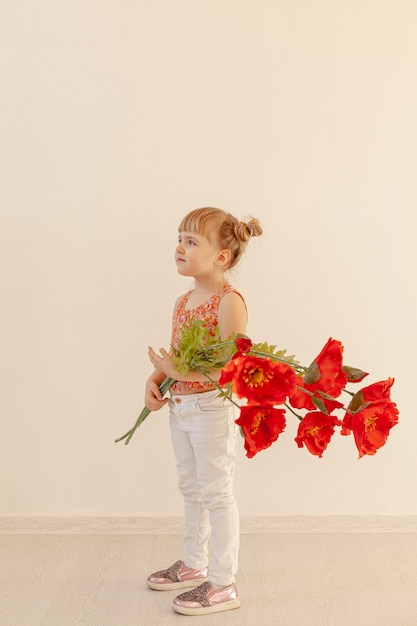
column 374, row 416
column 260, row 380
column 324, row 374
column 243, row 344
column 315, row 431
column 261, row 426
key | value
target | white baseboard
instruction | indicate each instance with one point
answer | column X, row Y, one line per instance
column 174, row 525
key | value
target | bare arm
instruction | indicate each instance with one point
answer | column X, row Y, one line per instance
column 153, row 397
column 232, row 316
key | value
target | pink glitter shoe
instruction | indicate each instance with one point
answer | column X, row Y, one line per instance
column 176, row 577
column 206, row 599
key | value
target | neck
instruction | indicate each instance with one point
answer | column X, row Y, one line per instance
column 210, row 285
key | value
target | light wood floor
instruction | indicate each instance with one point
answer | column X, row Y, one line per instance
column 288, row 579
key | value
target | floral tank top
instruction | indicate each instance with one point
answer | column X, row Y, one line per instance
column 208, row 313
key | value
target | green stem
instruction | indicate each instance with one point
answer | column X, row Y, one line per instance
column 213, row 382
column 268, row 355
column 293, row 412
column 325, row 396
column 309, row 393
column 281, row 359
column 220, row 344
column 163, row 387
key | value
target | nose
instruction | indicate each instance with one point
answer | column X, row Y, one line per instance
column 179, row 248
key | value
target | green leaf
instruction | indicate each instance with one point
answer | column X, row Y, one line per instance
column 270, row 351
column 362, row 407
column 319, row 404
column 312, row 374
column 325, row 395
column 354, row 374
column 357, row 403
column 198, row 349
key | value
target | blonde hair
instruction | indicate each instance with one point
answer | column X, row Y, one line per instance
column 222, row 229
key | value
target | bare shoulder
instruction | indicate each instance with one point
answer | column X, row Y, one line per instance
column 232, row 299
column 178, row 300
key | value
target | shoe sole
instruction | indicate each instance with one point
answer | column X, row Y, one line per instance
column 205, row 610
column 171, row 586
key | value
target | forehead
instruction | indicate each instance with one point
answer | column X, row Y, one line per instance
column 201, row 240
column 186, row 234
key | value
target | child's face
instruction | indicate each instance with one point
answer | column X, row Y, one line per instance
column 196, row 256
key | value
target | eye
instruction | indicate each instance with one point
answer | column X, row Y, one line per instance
column 187, row 241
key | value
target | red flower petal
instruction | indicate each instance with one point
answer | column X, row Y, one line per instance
column 261, row 426
column 315, row 431
column 300, row 399
column 371, row 425
column 243, row 344
column 327, row 370
column 260, row 380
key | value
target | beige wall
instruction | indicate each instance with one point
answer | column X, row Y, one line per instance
column 117, row 117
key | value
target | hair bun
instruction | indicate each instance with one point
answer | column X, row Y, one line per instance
column 241, row 231
column 245, row 230
column 253, row 227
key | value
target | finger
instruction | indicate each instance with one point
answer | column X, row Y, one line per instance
column 153, row 356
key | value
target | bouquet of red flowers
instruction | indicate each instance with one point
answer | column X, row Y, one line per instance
column 273, row 383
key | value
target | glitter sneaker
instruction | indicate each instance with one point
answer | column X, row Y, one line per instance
column 206, row 599
column 176, row 577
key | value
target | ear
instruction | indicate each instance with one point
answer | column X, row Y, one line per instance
column 223, row 257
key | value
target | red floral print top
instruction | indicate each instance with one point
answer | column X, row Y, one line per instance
column 208, row 312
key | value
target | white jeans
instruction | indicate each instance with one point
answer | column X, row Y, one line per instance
column 204, row 438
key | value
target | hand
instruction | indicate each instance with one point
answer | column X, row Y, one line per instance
column 163, row 363
column 153, row 397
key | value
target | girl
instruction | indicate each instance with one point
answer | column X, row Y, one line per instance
column 203, row 432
